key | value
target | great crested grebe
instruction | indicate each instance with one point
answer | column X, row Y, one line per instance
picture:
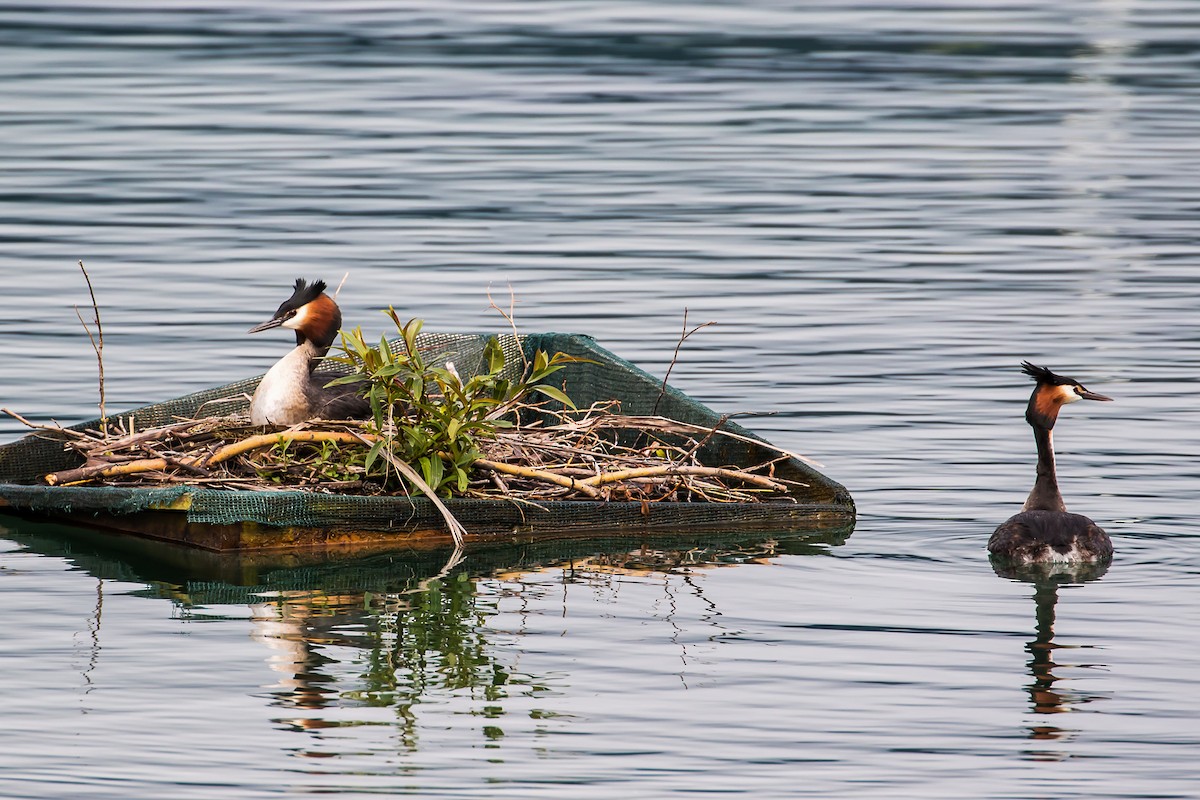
column 289, row 392
column 1044, row 531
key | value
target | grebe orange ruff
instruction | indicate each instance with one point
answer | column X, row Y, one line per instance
column 1044, row 531
column 289, row 393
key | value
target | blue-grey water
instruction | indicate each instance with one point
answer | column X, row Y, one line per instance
column 884, row 206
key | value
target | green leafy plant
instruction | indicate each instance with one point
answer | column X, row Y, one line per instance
column 426, row 415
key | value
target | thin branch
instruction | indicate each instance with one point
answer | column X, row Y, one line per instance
column 555, row 459
column 97, row 344
column 672, row 469
column 267, row 439
column 92, row 471
column 674, row 426
column 52, row 428
column 708, row 436
column 227, row 452
column 675, row 357
column 510, row 316
column 537, row 474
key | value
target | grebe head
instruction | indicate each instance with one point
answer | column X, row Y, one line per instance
column 1052, row 392
column 310, row 312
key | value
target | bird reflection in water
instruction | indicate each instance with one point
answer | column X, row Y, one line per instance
column 1046, row 694
column 295, row 626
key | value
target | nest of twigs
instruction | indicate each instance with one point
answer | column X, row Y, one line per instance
column 591, row 455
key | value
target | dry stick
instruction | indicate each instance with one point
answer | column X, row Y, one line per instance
column 537, row 474
column 51, row 428
column 586, row 486
column 254, row 443
column 187, row 465
column 98, row 346
column 724, row 418
column 562, row 449
column 224, row 454
column 686, row 333
column 150, row 435
column 675, row 426
column 669, row 469
column 83, row 474
column 511, row 317
column 267, row 439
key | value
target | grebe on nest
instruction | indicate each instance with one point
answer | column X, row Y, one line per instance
column 1044, row 531
column 289, row 393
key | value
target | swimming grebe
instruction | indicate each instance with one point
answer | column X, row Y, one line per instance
column 289, row 392
column 1044, row 531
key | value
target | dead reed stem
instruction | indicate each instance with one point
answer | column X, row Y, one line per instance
column 97, row 344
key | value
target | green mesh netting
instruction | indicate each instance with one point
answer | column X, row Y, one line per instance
column 22, row 463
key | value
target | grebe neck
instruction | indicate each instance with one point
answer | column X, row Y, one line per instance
column 1045, row 495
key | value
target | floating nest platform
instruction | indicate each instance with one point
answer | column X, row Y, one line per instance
column 669, row 464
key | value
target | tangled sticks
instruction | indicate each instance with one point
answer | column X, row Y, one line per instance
column 581, row 457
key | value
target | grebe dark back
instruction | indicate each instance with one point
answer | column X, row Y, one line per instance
column 289, row 393
column 1044, row 531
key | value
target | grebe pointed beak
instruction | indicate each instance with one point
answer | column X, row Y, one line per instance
column 1086, row 395
column 266, row 326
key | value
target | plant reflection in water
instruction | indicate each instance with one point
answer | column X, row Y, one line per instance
column 366, row 641
column 429, row 637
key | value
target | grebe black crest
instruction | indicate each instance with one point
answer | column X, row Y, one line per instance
column 1044, row 531
column 289, row 393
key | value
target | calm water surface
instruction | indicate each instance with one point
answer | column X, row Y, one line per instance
column 884, row 206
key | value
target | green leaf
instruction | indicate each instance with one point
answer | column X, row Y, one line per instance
column 356, row 342
column 378, row 403
column 494, row 355
column 373, row 454
column 554, row 394
column 389, row 370
column 431, row 417
column 547, row 372
column 565, row 358
column 431, row 471
column 409, row 332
